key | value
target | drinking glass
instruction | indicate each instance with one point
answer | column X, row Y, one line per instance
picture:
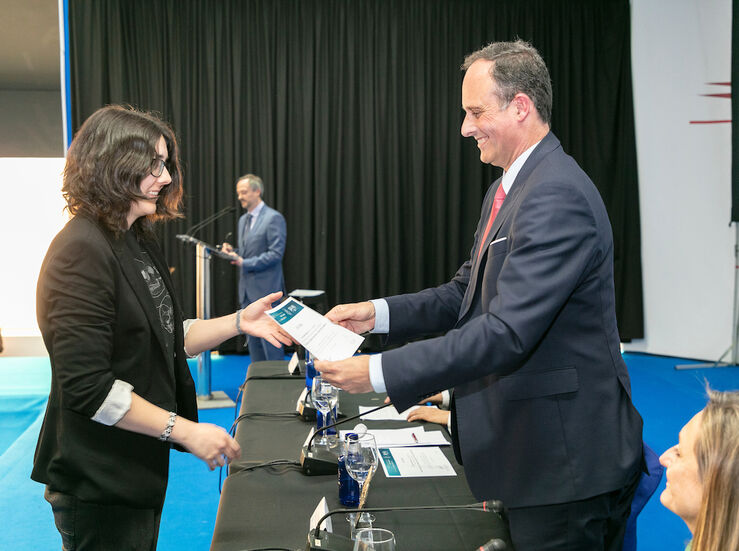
column 325, row 396
column 374, row 539
column 361, row 460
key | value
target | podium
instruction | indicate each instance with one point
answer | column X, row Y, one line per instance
column 204, row 252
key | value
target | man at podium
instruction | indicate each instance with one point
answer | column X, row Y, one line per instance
column 258, row 254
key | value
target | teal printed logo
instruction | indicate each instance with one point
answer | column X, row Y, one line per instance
column 287, row 312
column 389, row 461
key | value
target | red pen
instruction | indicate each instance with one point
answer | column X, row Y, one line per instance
column 413, row 434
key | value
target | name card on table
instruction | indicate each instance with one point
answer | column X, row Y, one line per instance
column 301, row 401
column 321, row 510
column 293, row 363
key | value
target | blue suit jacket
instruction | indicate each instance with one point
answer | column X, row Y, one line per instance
column 261, row 271
column 542, row 395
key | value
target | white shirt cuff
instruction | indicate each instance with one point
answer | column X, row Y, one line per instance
column 116, row 404
column 446, row 398
column 185, row 329
column 377, row 379
column 382, row 316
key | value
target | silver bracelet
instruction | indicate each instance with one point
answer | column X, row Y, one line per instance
column 238, row 322
column 168, row 429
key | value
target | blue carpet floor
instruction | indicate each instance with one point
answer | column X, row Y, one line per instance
column 666, row 398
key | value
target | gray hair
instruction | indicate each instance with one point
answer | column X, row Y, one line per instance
column 254, row 181
column 517, row 67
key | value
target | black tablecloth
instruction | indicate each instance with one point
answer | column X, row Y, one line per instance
column 270, row 507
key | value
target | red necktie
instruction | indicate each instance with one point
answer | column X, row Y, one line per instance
column 497, row 203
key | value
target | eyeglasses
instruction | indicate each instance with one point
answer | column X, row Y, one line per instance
column 157, row 167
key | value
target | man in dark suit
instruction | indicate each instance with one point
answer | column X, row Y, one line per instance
column 261, row 246
column 541, row 411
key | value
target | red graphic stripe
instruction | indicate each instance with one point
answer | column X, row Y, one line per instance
column 709, row 122
column 728, row 95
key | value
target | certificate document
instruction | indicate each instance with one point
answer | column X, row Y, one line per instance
column 414, row 462
column 323, row 339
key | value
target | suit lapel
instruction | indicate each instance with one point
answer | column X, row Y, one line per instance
column 157, row 257
column 259, row 221
column 510, row 205
column 130, row 270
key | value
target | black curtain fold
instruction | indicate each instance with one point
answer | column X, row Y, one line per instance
column 350, row 111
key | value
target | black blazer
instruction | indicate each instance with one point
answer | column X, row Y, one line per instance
column 542, row 396
column 99, row 324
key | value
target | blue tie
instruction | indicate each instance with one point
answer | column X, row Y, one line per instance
column 247, row 226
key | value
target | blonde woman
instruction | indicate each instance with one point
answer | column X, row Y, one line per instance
column 703, row 475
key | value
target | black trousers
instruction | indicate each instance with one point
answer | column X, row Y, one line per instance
column 594, row 524
column 88, row 526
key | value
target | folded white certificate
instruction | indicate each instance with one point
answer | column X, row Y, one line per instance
column 323, row 339
column 387, row 414
column 410, row 462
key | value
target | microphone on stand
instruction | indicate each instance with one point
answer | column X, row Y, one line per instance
column 209, row 220
column 322, row 461
column 319, row 540
column 229, row 235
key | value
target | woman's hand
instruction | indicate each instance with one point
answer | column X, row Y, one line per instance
column 256, row 323
column 430, row 414
column 208, row 442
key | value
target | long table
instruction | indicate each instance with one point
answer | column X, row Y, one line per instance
column 270, row 507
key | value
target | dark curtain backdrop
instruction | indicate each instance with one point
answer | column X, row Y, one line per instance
column 350, row 111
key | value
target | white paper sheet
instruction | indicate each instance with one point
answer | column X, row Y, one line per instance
column 323, row 339
column 409, row 437
column 387, row 414
column 415, row 462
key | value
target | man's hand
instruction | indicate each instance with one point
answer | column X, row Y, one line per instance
column 255, row 322
column 358, row 317
column 430, row 414
column 237, row 260
column 227, row 247
column 351, row 374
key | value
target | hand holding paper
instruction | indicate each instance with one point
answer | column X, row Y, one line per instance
column 358, row 317
column 317, row 334
column 254, row 322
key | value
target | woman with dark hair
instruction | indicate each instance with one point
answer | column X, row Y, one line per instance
column 703, row 474
column 121, row 392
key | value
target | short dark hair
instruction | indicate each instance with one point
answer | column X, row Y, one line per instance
column 517, row 67
column 254, row 181
column 111, row 153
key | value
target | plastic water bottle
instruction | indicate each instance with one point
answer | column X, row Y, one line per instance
column 310, row 371
column 348, row 487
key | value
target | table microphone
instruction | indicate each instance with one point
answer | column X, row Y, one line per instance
column 322, row 461
column 319, row 540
